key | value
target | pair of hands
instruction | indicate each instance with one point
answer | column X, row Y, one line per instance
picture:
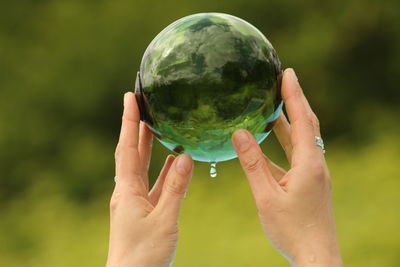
column 294, row 206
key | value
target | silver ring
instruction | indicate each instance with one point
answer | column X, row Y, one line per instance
column 319, row 142
column 115, row 179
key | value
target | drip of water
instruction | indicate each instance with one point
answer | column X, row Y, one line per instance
column 213, row 169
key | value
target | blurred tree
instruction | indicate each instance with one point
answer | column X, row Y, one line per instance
column 65, row 65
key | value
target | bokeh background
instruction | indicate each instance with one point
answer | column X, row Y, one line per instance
column 64, row 66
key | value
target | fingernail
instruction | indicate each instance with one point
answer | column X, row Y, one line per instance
column 183, row 165
column 242, row 140
column 126, row 98
column 293, row 74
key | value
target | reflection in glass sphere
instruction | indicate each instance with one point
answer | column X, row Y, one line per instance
column 203, row 77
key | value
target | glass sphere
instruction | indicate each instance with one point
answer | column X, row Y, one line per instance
column 203, row 77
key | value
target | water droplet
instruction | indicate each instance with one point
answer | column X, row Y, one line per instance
column 213, row 169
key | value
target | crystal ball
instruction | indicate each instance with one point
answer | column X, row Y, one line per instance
column 203, row 77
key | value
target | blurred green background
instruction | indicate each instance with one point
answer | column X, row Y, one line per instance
column 64, row 66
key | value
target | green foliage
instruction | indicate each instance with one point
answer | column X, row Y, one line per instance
column 64, row 66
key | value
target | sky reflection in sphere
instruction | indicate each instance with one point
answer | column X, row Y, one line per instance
column 203, row 77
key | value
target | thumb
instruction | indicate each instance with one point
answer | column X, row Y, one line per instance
column 175, row 186
column 254, row 164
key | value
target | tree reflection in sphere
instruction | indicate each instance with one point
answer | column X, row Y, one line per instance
column 203, row 77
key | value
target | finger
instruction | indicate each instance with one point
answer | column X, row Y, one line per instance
column 175, row 186
column 277, row 172
column 254, row 164
column 130, row 122
column 145, row 145
column 155, row 192
column 303, row 122
column 282, row 132
column 127, row 157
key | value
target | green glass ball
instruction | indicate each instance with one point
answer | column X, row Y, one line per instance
column 203, row 77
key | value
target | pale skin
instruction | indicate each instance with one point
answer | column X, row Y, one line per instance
column 294, row 206
column 143, row 223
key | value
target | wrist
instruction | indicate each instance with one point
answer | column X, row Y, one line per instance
column 314, row 262
column 319, row 258
column 139, row 258
column 128, row 261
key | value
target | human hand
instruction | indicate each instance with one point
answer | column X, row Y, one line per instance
column 143, row 224
column 295, row 207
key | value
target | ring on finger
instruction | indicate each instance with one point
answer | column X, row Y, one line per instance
column 319, row 142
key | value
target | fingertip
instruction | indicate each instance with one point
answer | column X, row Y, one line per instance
column 170, row 157
column 290, row 73
column 238, row 131
column 290, row 83
column 241, row 140
column 184, row 164
column 127, row 98
column 131, row 109
column 169, row 160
